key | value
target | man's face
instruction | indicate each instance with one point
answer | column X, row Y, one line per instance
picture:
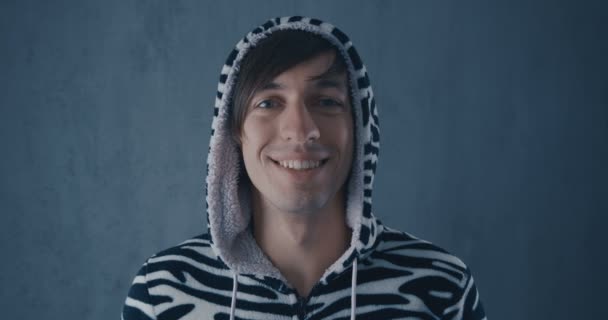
column 297, row 137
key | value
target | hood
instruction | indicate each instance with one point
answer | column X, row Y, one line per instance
column 227, row 200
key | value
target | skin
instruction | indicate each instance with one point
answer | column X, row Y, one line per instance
column 299, row 215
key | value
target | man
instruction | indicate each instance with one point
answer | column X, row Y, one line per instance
column 292, row 158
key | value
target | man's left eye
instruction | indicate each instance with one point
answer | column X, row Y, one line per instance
column 328, row 102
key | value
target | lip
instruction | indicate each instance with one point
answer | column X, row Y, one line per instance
column 311, row 153
column 298, row 156
column 299, row 176
column 278, row 160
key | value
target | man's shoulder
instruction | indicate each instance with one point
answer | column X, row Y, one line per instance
column 401, row 249
column 194, row 254
column 418, row 268
column 177, row 279
column 196, row 245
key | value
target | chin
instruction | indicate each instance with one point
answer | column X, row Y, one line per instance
column 302, row 205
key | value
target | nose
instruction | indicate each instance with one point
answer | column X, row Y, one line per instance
column 298, row 124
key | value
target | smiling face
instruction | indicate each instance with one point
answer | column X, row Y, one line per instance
column 297, row 138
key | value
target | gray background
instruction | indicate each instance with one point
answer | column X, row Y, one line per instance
column 494, row 127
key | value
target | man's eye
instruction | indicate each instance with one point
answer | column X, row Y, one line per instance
column 328, row 102
column 265, row 104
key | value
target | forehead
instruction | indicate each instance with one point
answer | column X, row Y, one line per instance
column 319, row 71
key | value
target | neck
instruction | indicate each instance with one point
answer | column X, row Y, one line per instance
column 301, row 245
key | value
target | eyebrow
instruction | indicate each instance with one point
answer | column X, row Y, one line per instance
column 329, row 83
column 270, row 86
column 319, row 82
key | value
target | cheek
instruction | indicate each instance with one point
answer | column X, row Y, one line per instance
column 253, row 137
column 340, row 133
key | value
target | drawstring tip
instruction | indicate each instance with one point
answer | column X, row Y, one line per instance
column 234, row 290
column 353, row 291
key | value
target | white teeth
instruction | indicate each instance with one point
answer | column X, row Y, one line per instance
column 300, row 164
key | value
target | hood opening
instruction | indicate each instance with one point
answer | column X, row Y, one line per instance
column 228, row 199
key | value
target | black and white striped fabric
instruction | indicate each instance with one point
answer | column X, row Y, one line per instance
column 223, row 274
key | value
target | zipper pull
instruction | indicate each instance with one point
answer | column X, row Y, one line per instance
column 302, row 308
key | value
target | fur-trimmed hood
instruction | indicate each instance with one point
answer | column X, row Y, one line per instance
column 228, row 202
column 392, row 274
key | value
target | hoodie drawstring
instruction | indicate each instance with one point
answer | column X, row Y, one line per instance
column 235, row 285
column 353, row 292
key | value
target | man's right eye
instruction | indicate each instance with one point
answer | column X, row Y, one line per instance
column 265, row 104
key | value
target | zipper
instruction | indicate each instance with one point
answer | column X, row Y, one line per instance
column 301, row 309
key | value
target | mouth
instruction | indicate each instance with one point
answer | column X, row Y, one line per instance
column 300, row 165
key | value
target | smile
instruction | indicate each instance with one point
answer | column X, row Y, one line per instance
column 300, row 164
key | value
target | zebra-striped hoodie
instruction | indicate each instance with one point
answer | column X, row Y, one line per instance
column 384, row 274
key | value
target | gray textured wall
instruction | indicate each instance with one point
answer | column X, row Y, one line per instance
column 494, row 123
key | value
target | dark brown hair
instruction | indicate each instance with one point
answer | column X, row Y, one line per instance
column 272, row 56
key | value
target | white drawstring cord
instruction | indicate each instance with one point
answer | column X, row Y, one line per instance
column 353, row 291
column 235, row 286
